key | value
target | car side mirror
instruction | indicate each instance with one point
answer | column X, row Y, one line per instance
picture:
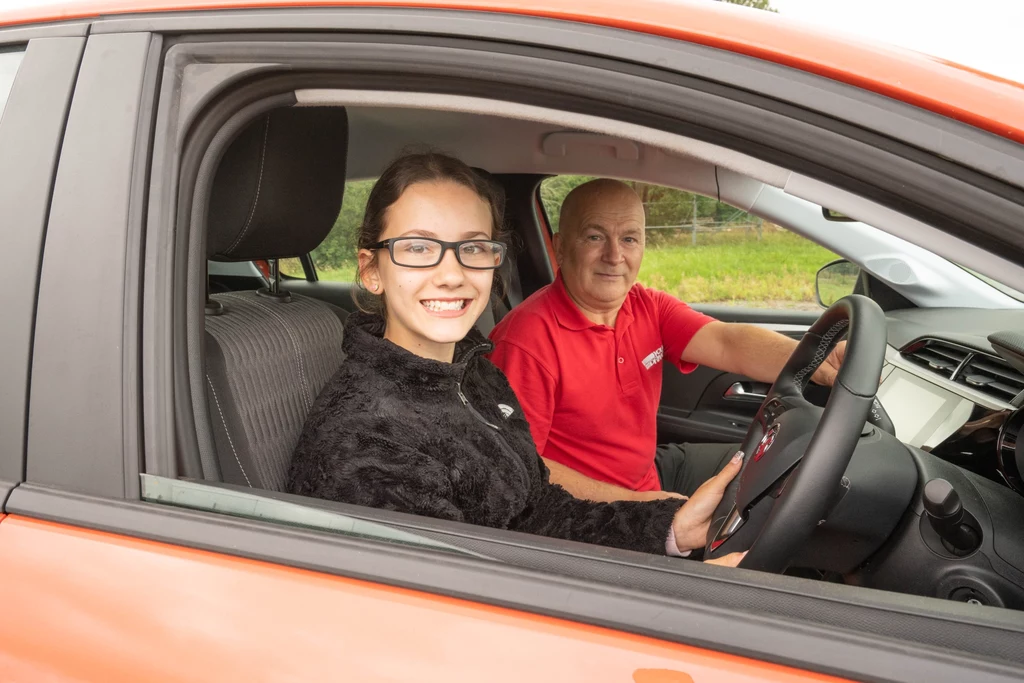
column 834, row 281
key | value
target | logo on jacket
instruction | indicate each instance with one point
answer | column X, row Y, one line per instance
column 506, row 411
column 654, row 358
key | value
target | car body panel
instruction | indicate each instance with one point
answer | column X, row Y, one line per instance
column 141, row 610
column 982, row 100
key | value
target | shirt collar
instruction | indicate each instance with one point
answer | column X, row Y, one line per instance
column 571, row 317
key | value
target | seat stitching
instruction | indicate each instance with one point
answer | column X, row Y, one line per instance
column 227, row 431
column 259, row 184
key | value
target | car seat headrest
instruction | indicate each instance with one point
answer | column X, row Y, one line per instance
column 278, row 189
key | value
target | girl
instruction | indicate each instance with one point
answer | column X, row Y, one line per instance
column 417, row 420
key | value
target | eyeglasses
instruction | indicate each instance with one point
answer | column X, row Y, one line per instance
column 424, row 252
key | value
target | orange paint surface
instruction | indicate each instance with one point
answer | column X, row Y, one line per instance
column 982, row 100
column 82, row 605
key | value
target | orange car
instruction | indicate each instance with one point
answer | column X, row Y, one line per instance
column 168, row 320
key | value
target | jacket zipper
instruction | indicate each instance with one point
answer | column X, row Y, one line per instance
column 501, row 439
column 474, row 411
column 462, row 397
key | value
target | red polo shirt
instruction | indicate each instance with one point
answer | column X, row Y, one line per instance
column 591, row 392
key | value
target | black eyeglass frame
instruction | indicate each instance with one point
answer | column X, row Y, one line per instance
column 445, row 246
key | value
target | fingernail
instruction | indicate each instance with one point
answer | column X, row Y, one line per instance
column 738, row 458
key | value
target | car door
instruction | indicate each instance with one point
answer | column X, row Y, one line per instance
column 98, row 582
column 169, row 584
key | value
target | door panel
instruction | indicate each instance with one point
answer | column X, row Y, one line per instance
column 706, row 405
column 130, row 609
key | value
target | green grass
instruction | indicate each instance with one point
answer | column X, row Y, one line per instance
column 733, row 267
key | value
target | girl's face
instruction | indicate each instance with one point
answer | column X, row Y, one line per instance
column 430, row 309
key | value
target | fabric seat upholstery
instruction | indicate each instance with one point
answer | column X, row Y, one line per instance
column 276, row 194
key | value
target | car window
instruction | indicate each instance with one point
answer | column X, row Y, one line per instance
column 335, row 258
column 10, row 60
column 707, row 252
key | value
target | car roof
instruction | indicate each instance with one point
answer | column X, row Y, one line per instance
column 982, row 100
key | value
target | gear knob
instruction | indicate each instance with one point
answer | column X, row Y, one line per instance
column 946, row 515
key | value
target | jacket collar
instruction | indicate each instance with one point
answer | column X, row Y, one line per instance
column 364, row 342
column 571, row 317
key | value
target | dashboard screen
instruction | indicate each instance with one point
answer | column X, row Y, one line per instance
column 909, row 406
column 923, row 413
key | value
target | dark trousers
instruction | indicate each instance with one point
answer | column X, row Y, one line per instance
column 683, row 467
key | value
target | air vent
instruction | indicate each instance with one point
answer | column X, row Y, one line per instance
column 937, row 356
column 991, row 376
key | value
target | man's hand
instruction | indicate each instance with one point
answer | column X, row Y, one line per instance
column 691, row 523
column 827, row 372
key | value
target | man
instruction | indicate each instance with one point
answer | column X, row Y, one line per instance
column 584, row 357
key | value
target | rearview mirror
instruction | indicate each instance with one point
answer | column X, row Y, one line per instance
column 834, row 281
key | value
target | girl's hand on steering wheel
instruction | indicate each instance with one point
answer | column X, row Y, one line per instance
column 691, row 523
column 730, row 560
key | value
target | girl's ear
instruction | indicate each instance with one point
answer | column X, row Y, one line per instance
column 369, row 275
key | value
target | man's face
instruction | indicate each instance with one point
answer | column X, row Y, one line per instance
column 600, row 250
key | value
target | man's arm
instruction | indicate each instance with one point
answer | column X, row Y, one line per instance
column 753, row 351
column 582, row 486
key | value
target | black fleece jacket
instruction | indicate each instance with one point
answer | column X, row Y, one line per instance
column 396, row 431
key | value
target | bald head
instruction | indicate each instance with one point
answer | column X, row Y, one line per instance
column 596, row 194
column 599, row 246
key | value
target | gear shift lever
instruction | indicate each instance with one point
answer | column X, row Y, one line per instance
column 946, row 515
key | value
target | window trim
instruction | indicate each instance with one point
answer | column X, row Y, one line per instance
column 31, row 133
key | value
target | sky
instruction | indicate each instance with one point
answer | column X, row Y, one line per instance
column 987, row 35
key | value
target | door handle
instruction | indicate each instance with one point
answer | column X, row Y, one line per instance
column 743, row 391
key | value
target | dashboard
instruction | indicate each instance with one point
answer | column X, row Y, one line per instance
column 949, row 392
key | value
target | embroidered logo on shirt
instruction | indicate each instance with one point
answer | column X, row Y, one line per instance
column 506, row 411
column 654, row 358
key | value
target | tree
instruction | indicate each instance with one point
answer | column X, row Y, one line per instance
column 339, row 247
column 756, row 4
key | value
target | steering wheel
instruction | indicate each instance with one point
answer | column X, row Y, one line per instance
column 795, row 452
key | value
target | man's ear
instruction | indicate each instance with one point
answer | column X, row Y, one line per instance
column 369, row 275
column 556, row 243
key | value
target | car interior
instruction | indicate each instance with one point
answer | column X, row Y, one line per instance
column 930, row 497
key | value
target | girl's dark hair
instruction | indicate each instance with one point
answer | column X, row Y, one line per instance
column 403, row 172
